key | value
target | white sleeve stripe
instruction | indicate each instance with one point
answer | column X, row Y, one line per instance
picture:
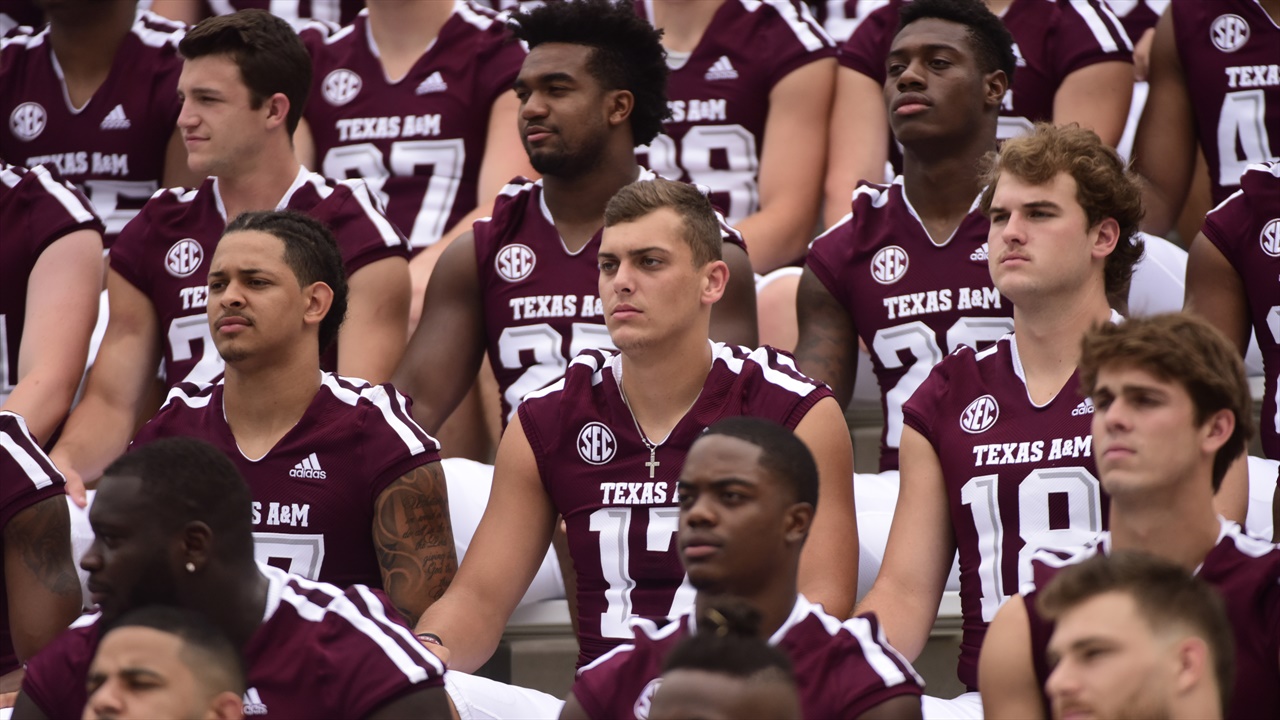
column 30, row 465
column 808, row 34
column 345, row 609
column 761, row 357
column 1097, row 25
column 68, row 199
column 605, row 658
column 379, row 398
column 378, row 612
column 875, row 656
column 882, row 642
column 385, row 230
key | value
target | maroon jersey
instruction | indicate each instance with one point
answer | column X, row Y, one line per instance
column 27, row 476
column 37, row 209
column 541, row 302
column 1246, row 573
column 164, row 251
column 912, row 301
column 1246, row 229
column 1051, row 40
column 114, row 146
column 1228, row 54
column 319, row 652
column 314, row 492
column 418, row 141
column 621, row 534
column 299, row 13
column 842, row 669
column 841, row 17
column 1019, row 477
column 719, row 98
column 1137, row 16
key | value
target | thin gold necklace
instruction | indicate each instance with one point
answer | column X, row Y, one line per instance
column 652, row 446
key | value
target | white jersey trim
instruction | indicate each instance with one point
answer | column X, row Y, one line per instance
column 1102, row 32
column 798, row 20
column 377, row 395
column 63, row 195
column 23, row 455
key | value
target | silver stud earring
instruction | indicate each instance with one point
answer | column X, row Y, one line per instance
column 191, row 567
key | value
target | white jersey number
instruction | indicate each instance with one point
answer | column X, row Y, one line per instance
column 8, row 375
column 544, row 342
column 183, row 333
column 444, row 157
column 918, row 339
column 1273, row 322
column 1243, row 123
column 614, row 526
column 300, row 554
column 981, row 494
column 106, row 194
column 694, row 158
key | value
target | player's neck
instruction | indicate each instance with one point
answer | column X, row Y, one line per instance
column 943, row 189
column 773, row 603
column 1049, row 335
column 263, row 399
column 85, row 51
column 683, row 22
column 234, row 599
column 262, row 185
column 403, row 30
column 577, row 203
column 1178, row 525
column 662, row 384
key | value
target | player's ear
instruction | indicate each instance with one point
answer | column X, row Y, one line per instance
column 319, row 298
column 277, row 110
column 715, row 276
column 620, row 103
column 996, row 84
column 1217, row 429
column 1193, row 664
column 226, row 706
column 197, row 546
column 798, row 521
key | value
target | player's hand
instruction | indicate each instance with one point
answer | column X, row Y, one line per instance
column 1142, row 55
column 75, row 483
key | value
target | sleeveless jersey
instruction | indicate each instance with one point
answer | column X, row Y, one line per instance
column 1246, row 573
column 299, row 13
column 314, row 492
column 37, row 208
column 621, row 510
column 842, row 669
column 319, row 652
column 1019, row 477
column 1051, row 40
column 541, row 302
column 418, row 141
column 911, row 301
column 1246, row 229
column 27, row 476
column 114, row 146
column 719, row 98
column 164, row 253
column 1228, row 55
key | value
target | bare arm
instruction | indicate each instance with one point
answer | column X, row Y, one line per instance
column 62, row 307
column 573, row 709
column 24, row 708
column 414, row 540
column 1097, row 98
column 176, row 171
column 40, row 575
column 827, row 348
column 304, row 146
column 504, row 159
column 1216, row 293
column 438, row 374
column 1006, row 671
column 372, row 338
column 859, row 140
column 1165, row 145
column 829, row 563
column 918, row 557
column 101, row 426
column 792, row 161
column 428, row 704
column 505, row 553
column 903, row 707
column 733, row 317
column 187, row 11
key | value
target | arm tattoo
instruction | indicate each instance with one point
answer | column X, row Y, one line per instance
column 828, row 343
column 43, row 533
column 414, row 540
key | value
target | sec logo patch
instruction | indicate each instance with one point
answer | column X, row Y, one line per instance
column 341, row 86
column 889, row 265
column 1269, row 238
column 981, row 414
column 596, row 443
column 184, row 258
column 27, row 121
column 1229, row 33
column 515, row 262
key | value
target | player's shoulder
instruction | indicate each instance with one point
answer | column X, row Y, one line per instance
column 766, row 365
column 40, row 186
column 518, row 199
column 382, row 410
column 186, row 397
column 1047, row 562
column 22, row 456
column 1261, row 182
column 17, row 47
column 157, row 31
column 873, row 201
column 787, row 20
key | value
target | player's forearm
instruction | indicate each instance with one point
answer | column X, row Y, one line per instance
column 906, row 613
column 779, row 234
column 424, row 263
column 43, row 400
column 468, row 626
column 98, row 431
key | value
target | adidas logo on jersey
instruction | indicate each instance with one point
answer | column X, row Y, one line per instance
column 1084, row 408
column 979, row 255
column 722, row 70
column 253, row 704
column 308, row 468
column 115, row 120
column 433, row 84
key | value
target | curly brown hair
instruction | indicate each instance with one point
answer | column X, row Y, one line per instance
column 1105, row 187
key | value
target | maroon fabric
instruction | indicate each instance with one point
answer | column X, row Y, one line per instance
column 1246, row 229
column 114, row 147
column 842, row 669
column 1246, row 573
column 1018, row 477
column 298, row 12
column 1137, row 16
column 419, row 141
column 720, row 98
column 314, row 492
column 593, row 465
column 541, row 302
column 37, row 208
column 319, row 652
column 27, row 476
column 1233, row 80
column 165, row 254
column 911, row 305
column 1051, row 40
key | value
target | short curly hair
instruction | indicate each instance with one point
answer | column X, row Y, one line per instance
column 626, row 52
column 1105, row 187
column 992, row 41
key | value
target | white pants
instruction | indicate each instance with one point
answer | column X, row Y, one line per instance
column 1262, row 489
column 875, row 495
column 962, row 707
column 477, row 698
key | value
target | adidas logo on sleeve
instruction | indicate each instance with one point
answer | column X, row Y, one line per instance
column 308, row 468
column 115, row 120
column 722, row 69
column 433, row 84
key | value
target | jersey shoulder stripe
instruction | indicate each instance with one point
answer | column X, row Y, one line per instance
column 391, row 406
column 16, row 442
column 797, row 19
